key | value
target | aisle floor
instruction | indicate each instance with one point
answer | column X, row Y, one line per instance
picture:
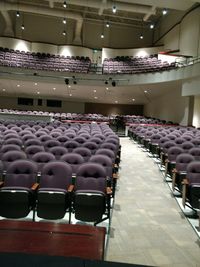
column 148, row 226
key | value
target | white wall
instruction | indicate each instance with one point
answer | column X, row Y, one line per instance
column 171, row 107
column 196, row 113
column 184, row 37
column 11, row 103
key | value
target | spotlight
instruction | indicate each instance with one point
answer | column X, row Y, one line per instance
column 141, row 36
column 102, row 36
column 151, row 26
column 17, row 14
column 64, row 33
column 22, row 27
column 66, row 81
column 113, row 83
column 164, row 12
column 64, row 4
column 64, row 21
column 107, row 24
column 114, row 9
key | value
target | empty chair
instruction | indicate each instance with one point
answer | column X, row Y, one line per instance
column 58, row 151
column 79, row 139
column 187, row 145
column 41, row 158
column 91, row 146
column 84, row 152
column 9, row 147
column 44, row 138
column 17, row 196
column 27, row 137
column 179, row 173
column 50, row 143
column 32, row 150
column 75, row 160
column 91, row 196
column 195, row 152
column 62, row 139
column 154, row 143
column 14, row 141
column 96, row 140
column 53, row 197
column 191, row 187
column 71, row 145
column 10, row 156
column 32, row 142
column 170, row 162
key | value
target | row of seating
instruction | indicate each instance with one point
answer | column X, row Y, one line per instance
column 134, row 65
column 40, row 147
column 43, row 61
column 179, row 151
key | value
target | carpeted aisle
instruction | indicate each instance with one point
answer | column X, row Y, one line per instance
column 148, row 226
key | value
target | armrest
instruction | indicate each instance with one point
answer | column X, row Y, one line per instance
column 115, row 176
column 174, row 170
column 1, row 183
column 35, row 186
column 70, row 188
column 184, row 191
column 185, row 181
column 108, row 190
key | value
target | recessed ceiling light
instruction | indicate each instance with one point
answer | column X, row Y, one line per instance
column 107, row 88
column 151, row 26
column 133, row 99
column 94, row 91
column 64, row 21
column 95, row 97
column 107, row 24
column 164, row 12
column 35, row 83
column 141, row 36
column 102, row 36
column 70, row 94
column 18, row 85
column 116, row 101
column 114, row 9
column 64, row 33
column 64, row 4
column 38, row 93
column 145, row 91
column 54, row 88
column 69, row 86
column 22, row 27
column 17, row 14
column 4, row 89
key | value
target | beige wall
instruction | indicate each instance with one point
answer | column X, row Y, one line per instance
column 196, row 114
column 171, row 107
column 183, row 37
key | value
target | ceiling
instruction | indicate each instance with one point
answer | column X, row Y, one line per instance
column 129, row 12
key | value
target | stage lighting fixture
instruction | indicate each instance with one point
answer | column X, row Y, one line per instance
column 113, row 83
column 66, row 81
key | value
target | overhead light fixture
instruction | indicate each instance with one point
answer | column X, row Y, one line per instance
column 114, row 9
column 64, row 33
column 95, row 97
column 141, row 36
column 64, row 21
column 64, row 4
column 102, row 36
column 70, row 94
column 94, row 91
column 145, row 91
column 22, row 27
column 69, row 86
column 107, row 88
column 116, row 101
column 151, row 26
column 35, row 83
column 3, row 89
column 54, row 88
column 133, row 99
column 164, row 12
column 107, row 24
column 38, row 93
column 17, row 14
column 18, row 85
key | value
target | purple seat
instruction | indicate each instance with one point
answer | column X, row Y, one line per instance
column 90, row 197
column 71, row 145
column 187, row 145
column 58, row 151
column 32, row 150
column 31, row 142
column 74, row 160
column 195, row 152
column 51, row 143
column 84, row 152
column 172, row 154
column 53, row 199
column 41, row 158
column 11, row 156
column 17, row 194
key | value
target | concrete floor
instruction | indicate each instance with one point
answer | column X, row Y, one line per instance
column 148, row 226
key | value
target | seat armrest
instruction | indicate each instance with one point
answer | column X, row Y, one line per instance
column 70, row 188
column 115, row 176
column 1, row 183
column 35, row 186
column 108, row 190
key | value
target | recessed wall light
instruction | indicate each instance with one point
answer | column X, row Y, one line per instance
column 64, row 4
column 64, row 21
column 64, row 33
column 102, row 36
column 22, row 27
column 114, row 9
column 17, row 14
column 141, row 36
column 107, row 24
